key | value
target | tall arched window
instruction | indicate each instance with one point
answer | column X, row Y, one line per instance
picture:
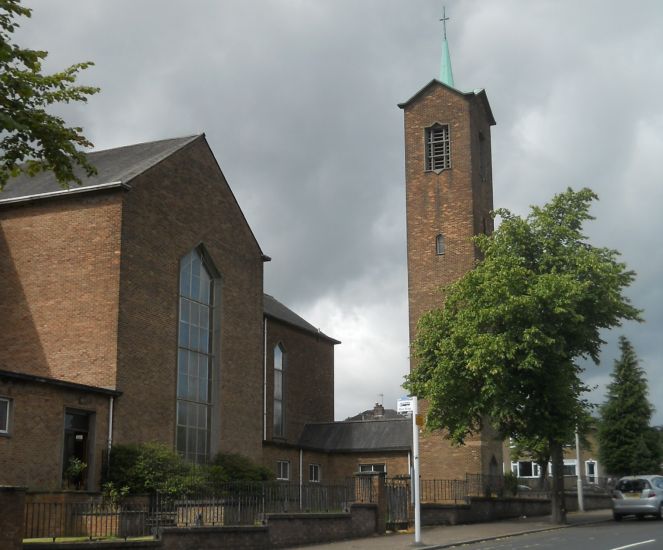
column 279, row 413
column 194, row 358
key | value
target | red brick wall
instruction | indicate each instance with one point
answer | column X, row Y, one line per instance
column 308, row 379
column 32, row 453
column 437, row 203
column 59, row 266
column 173, row 207
column 12, row 504
column 482, row 171
column 344, row 465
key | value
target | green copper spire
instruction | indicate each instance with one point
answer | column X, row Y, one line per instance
column 446, row 76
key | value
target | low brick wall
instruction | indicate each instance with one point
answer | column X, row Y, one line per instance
column 490, row 509
column 482, row 510
column 287, row 530
column 281, row 531
column 213, row 538
column 12, row 503
column 590, row 501
column 96, row 545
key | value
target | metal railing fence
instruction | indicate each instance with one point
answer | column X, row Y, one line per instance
column 238, row 503
column 248, row 503
column 52, row 520
column 444, row 490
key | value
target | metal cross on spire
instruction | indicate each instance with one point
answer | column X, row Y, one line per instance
column 444, row 20
column 446, row 76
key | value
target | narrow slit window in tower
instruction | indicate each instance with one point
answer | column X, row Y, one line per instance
column 439, row 244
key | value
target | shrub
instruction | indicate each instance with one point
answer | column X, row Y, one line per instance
column 239, row 468
column 149, row 467
column 152, row 467
column 74, row 471
column 112, row 495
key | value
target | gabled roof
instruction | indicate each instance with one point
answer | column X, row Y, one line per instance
column 373, row 435
column 276, row 310
column 480, row 94
column 115, row 168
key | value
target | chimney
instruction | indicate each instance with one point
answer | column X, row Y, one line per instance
column 378, row 411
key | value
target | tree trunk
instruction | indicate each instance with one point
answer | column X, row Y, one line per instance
column 543, row 474
column 557, row 483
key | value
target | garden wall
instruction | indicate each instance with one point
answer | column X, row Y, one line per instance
column 490, row 509
column 280, row 531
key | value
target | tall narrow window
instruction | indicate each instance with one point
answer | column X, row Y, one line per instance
column 194, row 361
column 279, row 363
column 439, row 245
column 482, row 157
column 438, row 148
column 4, row 415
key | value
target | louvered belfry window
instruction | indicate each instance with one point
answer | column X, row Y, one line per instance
column 438, row 148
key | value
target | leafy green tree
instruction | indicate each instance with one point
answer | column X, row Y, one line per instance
column 29, row 136
column 627, row 443
column 505, row 347
column 538, row 448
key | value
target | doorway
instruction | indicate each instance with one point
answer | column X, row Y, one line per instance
column 75, row 463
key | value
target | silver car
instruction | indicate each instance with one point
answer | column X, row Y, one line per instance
column 638, row 496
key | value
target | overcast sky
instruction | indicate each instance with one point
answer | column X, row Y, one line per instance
column 298, row 102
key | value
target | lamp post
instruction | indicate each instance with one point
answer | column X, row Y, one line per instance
column 581, row 501
column 415, row 477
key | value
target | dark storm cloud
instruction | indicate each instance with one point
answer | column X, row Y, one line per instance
column 298, row 101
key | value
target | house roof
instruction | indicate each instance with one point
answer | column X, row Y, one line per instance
column 115, row 168
column 370, row 414
column 10, row 375
column 479, row 93
column 373, row 435
column 276, row 310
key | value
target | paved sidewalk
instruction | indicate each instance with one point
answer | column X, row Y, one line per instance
column 450, row 535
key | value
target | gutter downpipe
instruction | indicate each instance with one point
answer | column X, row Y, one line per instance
column 264, row 384
column 301, row 477
column 111, row 400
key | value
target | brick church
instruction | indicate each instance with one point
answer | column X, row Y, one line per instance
column 132, row 309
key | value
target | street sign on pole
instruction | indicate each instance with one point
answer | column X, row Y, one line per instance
column 404, row 405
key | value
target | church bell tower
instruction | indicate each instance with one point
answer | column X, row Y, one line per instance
column 449, row 187
column 449, row 197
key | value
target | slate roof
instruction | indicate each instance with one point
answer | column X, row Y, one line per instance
column 115, row 168
column 275, row 309
column 372, row 435
column 369, row 414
